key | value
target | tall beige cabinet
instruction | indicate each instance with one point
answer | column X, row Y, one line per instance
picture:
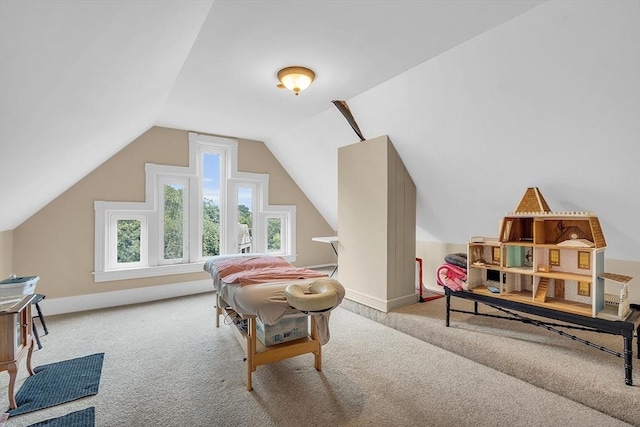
column 376, row 225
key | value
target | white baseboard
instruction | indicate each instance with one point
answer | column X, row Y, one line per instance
column 123, row 297
column 379, row 304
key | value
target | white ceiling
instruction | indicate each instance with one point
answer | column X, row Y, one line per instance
column 79, row 80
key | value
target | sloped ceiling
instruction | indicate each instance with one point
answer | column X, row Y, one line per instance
column 465, row 89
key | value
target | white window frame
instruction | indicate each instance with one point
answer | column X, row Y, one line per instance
column 151, row 210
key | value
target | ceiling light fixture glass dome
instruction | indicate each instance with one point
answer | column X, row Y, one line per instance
column 295, row 78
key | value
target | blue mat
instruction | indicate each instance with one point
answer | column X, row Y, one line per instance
column 82, row 418
column 59, row 383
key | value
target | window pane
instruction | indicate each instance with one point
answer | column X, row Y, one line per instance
column 584, row 260
column 173, row 221
column 496, row 255
column 245, row 219
column 129, row 240
column 211, row 205
column 584, row 289
column 274, row 226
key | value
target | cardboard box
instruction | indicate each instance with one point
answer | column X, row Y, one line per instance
column 287, row 329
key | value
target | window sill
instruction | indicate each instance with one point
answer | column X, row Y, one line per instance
column 139, row 273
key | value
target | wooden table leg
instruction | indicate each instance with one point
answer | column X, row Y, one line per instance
column 314, row 336
column 251, row 345
column 13, row 373
column 29, row 354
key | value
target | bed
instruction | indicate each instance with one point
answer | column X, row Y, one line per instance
column 253, row 288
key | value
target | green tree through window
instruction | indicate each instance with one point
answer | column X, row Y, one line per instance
column 173, row 221
column 273, row 234
column 210, row 228
column 128, row 240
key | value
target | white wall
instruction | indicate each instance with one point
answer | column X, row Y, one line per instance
column 549, row 99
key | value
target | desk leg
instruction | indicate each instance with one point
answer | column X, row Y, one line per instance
column 336, row 252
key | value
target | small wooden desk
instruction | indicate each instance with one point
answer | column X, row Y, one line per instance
column 624, row 328
column 332, row 240
column 16, row 336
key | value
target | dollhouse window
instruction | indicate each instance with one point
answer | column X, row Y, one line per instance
column 496, row 255
column 584, row 260
column 584, row 289
column 554, row 257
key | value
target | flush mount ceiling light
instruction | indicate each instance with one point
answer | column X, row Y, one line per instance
column 295, row 78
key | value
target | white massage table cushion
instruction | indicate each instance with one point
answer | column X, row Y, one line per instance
column 319, row 295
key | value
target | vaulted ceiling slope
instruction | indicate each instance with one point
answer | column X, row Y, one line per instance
column 482, row 98
column 79, row 80
column 82, row 79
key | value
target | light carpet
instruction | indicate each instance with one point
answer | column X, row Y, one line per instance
column 169, row 365
column 533, row 354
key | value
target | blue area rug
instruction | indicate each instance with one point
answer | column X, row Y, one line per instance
column 59, row 383
column 82, row 418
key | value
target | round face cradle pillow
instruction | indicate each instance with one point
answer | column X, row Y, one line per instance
column 319, row 295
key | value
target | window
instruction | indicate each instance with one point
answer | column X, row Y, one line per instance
column 245, row 195
column 274, row 235
column 127, row 241
column 174, row 202
column 584, row 260
column 584, row 289
column 189, row 214
column 554, row 257
column 213, row 173
column 496, row 255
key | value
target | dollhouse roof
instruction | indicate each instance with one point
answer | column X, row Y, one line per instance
column 532, row 201
column 583, row 227
column 616, row 277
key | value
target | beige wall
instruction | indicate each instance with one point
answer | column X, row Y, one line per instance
column 57, row 243
column 6, row 254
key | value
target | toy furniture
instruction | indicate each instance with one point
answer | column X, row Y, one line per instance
column 548, row 259
column 549, row 264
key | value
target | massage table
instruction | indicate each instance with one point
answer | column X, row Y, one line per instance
column 258, row 286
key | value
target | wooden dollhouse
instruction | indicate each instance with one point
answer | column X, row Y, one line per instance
column 549, row 259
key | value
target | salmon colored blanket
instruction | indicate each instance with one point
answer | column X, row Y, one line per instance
column 452, row 276
column 262, row 269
